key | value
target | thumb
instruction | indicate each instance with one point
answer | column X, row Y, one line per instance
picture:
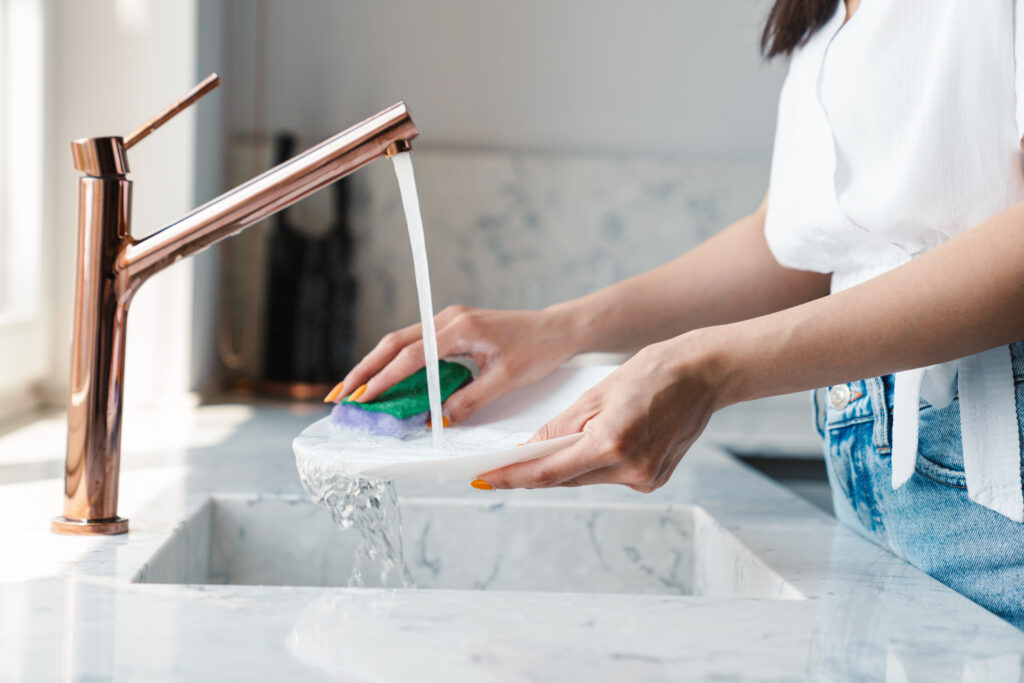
column 571, row 421
column 545, row 433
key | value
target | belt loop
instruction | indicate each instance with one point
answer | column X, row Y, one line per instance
column 876, row 390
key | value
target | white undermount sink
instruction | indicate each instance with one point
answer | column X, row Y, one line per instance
column 471, row 545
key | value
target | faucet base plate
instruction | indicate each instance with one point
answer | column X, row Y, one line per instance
column 84, row 527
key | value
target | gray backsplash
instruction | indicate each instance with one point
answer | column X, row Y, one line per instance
column 523, row 230
column 529, row 229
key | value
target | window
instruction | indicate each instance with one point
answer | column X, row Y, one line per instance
column 22, row 81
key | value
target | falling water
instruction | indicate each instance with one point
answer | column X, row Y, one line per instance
column 414, row 220
column 371, row 506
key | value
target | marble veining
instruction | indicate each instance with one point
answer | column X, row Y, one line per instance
column 524, row 230
column 470, row 545
column 70, row 609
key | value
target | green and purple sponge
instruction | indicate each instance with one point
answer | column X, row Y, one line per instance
column 402, row 410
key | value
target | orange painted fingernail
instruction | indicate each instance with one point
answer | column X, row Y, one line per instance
column 334, row 393
column 445, row 422
column 357, row 393
column 481, row 484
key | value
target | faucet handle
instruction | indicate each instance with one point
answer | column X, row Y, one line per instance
column 207, row 84
column 107, row 155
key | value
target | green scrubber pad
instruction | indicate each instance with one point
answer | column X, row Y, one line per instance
column 409, row 397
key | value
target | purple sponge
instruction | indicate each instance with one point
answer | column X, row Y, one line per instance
column 352, row 416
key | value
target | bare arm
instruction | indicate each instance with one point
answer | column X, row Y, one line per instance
column 962, row 297
column 729, row 277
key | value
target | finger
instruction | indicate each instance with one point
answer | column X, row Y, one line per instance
column 643, row 474
column 570, row 421
column 602, row 475
column 665, row 471
column 409, row 360
column 636, row 477
column 567, row 464
column 448, row 314
column 391, row 344
column 613, row 474
column 387, row 348
column 475, row 395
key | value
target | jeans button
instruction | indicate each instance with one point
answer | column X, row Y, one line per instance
column 839, row 396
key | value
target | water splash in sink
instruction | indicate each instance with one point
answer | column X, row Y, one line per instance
column 371, row 506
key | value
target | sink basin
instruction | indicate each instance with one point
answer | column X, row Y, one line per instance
column 469, row 545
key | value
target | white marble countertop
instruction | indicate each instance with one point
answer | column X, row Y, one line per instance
column 68, row 609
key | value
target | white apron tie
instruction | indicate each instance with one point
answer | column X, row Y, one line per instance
column 988, row 425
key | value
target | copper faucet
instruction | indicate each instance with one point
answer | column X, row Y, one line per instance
column 112, row 265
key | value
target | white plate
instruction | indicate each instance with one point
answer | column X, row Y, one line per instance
column 485, row 442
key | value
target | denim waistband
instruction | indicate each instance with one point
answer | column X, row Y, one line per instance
column 875, row 401
column 870, row 400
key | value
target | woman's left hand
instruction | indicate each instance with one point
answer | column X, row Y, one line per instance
column 637, row 423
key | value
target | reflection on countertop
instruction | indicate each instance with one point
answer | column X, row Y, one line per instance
column 69, row 610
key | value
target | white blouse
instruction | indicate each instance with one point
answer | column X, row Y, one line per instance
column 898, row 130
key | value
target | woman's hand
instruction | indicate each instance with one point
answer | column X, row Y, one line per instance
column 638, row 423
column 513, row 349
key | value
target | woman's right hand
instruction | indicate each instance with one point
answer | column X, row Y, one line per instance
column 513, row 349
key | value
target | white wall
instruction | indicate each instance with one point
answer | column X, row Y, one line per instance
column 677, row 78
column 113, row 64
column 209, row 157
column 570, row 79
column 665, row 77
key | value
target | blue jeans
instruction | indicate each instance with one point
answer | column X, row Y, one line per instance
column 929, row 522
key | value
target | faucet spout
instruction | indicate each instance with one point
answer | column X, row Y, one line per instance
column 111, row 265
column 270, row 192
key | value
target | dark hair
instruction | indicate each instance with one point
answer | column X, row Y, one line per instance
column 791, row 23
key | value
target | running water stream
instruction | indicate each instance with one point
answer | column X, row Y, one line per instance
column 414, row 221
column 371, row 505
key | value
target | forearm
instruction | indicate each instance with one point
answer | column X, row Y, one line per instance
column 731, row 276
column 962, row 297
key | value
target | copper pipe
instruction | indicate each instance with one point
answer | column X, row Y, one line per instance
column 111, row 265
